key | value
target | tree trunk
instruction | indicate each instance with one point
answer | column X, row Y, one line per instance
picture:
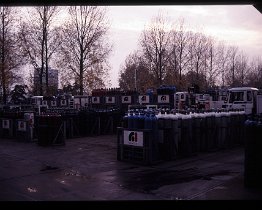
column 180, row 60
column 160, row 69
column 81, row 75
column 41, row 75
column 42, row 62
column 197, row 71
column 46, row 49
column 3, row 61
column 233, row 72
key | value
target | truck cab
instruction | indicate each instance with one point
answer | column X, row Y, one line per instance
column 242, row 98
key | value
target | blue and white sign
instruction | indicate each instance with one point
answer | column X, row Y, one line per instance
column 63, row 102
column 44, row 103
column 110, row 100
column 163, row 99
column 126, row 99
column 143, row 99
column 134, row 138
column 21, row 125
column 96, row 100
column 53, row 103
column 6, row 124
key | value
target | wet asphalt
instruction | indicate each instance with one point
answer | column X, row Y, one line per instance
column 87, row 169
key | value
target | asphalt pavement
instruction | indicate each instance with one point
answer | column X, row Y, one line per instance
column 87, row 169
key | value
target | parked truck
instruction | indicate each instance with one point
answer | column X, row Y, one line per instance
column 246, row 98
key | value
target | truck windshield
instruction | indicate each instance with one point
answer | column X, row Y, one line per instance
column 236, row 96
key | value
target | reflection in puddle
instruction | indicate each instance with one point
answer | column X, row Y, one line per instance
column 220, row 188
column 48, row 167
column 153, row 180
column 31, row 189
column 61, row 181
column 74, row 173
column 176, row 198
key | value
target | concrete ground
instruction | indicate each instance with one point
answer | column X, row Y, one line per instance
column 87, row 169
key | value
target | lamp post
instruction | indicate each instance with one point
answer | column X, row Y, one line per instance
column 135, row 80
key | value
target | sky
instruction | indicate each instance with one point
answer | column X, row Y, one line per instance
column 238, row 25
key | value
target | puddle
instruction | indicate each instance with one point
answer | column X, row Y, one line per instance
column 222, row 177
column 177, row 198
column 75, row 173
column 220, row 188
column 61, row 181
column 48, row 167
column 218, row 175
column 72, row 173
column 152, row 180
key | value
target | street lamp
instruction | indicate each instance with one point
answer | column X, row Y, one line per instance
column 135, row 81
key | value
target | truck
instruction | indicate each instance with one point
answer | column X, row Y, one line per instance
column 246, row 98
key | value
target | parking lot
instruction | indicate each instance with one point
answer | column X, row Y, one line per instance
column 87, row 169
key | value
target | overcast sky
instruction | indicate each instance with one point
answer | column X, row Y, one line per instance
column 239, row 25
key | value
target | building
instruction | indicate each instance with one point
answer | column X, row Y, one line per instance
column 52, row 81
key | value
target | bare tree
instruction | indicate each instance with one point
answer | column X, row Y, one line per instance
column 254, row 76
column 39, row 40
column 155, row 42
column 222, row 59
column 241, row 69
column 174, row 57
column 191, row 78
column 231, row 68
column 182, row 58
column 179, row 53
column 85, row 48
column 134, row 74
column 10, row 59
column 212, row 62
column 97, row 77
column 197, row 51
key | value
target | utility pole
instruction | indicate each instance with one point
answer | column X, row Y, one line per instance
column 135, row 80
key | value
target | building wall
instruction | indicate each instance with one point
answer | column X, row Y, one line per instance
column 52, row 81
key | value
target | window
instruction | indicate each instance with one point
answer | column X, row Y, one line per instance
column 249, row 96
column 236, row 96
